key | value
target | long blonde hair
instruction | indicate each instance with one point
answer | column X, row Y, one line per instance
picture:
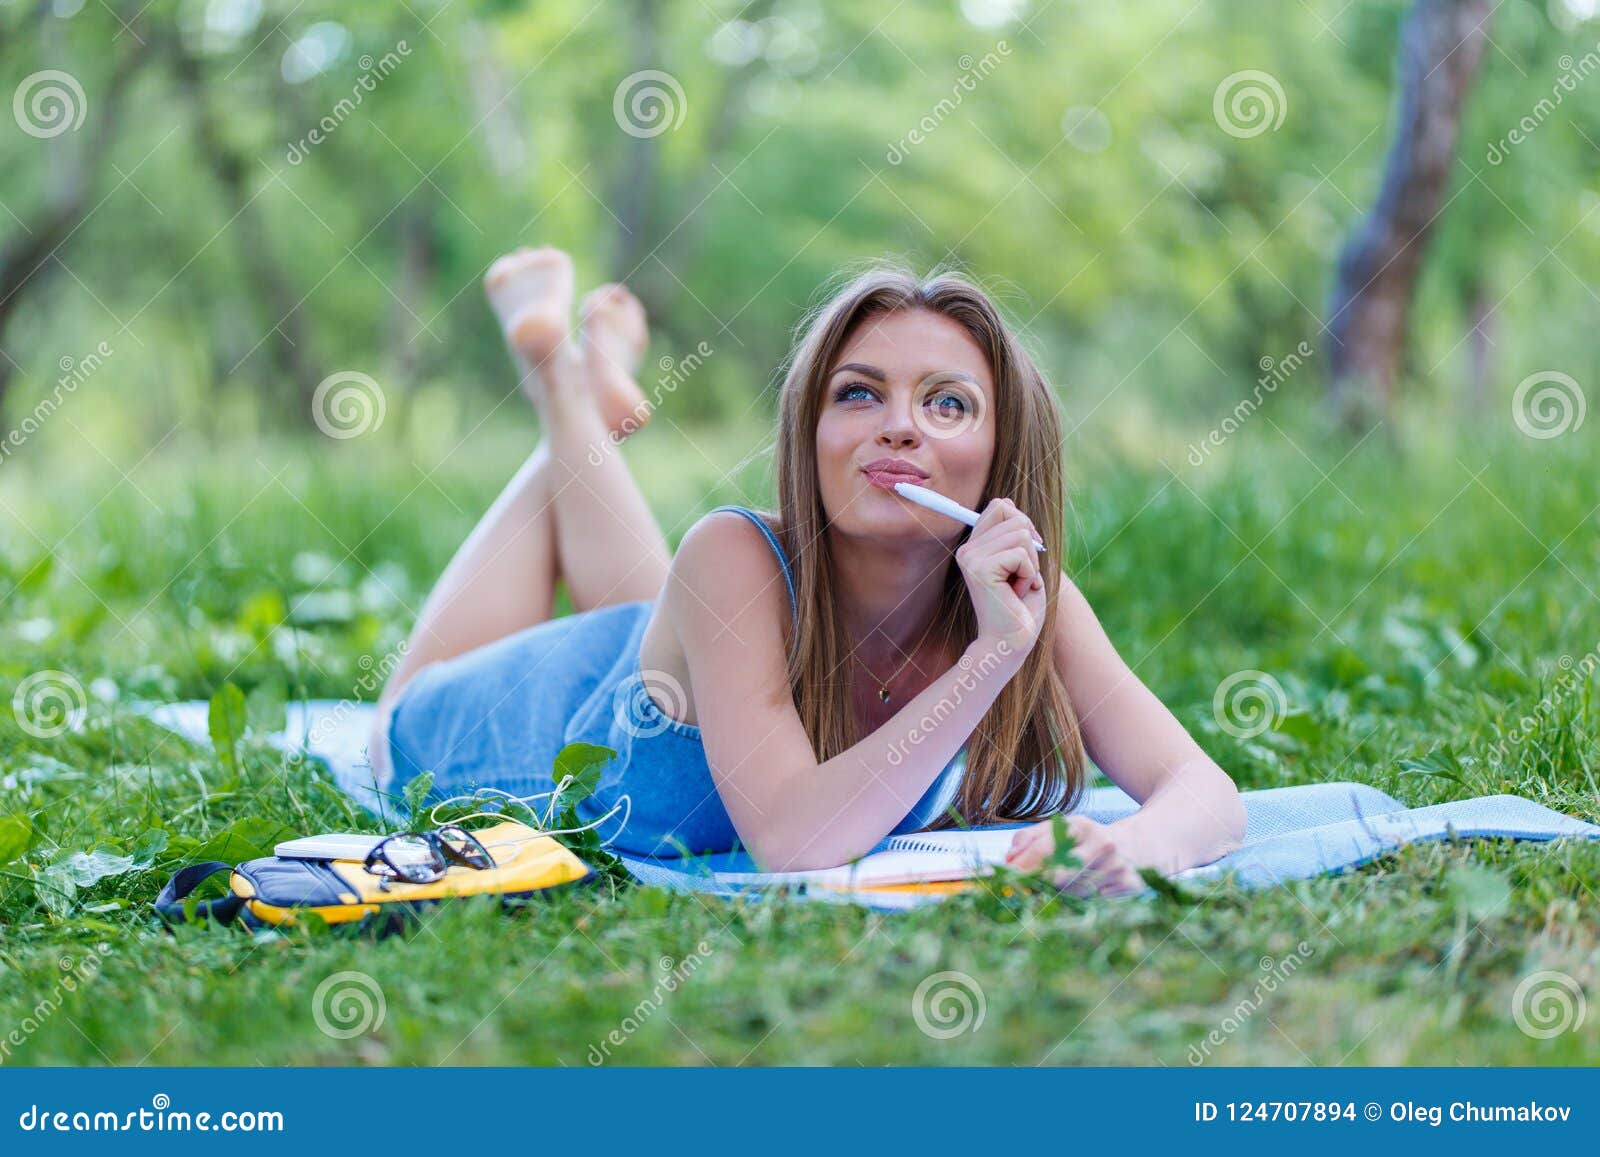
column 1025, row 760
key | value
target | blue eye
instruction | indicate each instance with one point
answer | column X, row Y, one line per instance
column 951, row 404
column 843, row 393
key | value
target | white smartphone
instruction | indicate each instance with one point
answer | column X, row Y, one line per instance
column 335, row 846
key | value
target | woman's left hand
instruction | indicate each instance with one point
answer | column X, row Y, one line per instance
column 1106, row 869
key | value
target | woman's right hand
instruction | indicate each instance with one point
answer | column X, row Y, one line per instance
column 1003, row 579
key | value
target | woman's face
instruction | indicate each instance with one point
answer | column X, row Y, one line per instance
column 910, row 398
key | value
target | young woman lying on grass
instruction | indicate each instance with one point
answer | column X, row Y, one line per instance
column 805, row 682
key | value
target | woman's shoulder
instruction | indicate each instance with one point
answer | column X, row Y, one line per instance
column 726, row 565
column 729, row 535
column 739, row 516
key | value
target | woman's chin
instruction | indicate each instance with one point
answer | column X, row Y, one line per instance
column 886, row 517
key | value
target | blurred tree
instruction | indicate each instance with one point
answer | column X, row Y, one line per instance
column 279, row 305
column 270, row 190
column 1441, row 46
column 79, row 168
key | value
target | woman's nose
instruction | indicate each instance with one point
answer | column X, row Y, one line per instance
column 899, row 428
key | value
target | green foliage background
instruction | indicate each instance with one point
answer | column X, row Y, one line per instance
column 177, row 527
column 1155, row 271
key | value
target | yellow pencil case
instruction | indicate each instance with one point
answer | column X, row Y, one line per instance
column 275, row 890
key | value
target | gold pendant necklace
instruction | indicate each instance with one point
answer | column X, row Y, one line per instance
column 883, row 684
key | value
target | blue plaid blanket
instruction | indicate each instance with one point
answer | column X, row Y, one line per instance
column 1292, row 832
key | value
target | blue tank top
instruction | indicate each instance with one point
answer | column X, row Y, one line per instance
column 661, row 766
column 498, row 716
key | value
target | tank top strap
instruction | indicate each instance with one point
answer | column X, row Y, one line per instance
column 777, row 549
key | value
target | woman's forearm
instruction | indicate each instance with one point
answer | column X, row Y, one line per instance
column 831, row 813
column 1196, row 816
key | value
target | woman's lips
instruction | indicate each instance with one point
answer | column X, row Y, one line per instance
column 885, row 479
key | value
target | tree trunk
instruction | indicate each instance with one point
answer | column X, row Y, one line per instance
column 26, row 257
column 732, row 107
column 642, row 245
column 1441, row 47
column 504, row 133
column 1480, row 347
column 408, row 316
column 289, row 337
column 635, row 183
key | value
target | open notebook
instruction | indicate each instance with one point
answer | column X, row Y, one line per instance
column 918, row 858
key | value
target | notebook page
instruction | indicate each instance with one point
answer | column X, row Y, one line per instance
column 989, row 847
column 914, row 858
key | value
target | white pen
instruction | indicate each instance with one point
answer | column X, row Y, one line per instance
column 938, row 503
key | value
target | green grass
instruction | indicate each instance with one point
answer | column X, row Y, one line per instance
column 1414, row 604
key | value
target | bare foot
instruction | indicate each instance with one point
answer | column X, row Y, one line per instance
column 614, row 338
column 531, row 293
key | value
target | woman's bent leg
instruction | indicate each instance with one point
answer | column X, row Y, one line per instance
column 501, row 580
column 573, row 510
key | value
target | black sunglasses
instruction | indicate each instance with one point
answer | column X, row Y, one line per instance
column 424, row 857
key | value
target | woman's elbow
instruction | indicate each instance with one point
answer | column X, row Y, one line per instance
column 777, row 851
column 1233, row 817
